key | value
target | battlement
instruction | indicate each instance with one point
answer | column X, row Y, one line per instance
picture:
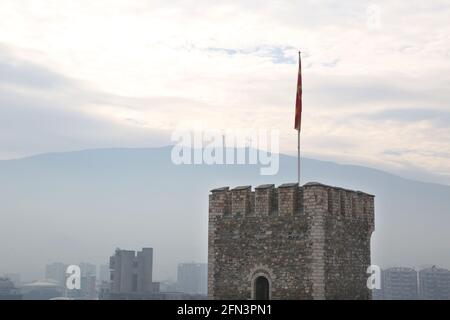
column 307, row 242
column 290, row 200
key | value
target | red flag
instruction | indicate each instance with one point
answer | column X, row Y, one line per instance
column 298, row 102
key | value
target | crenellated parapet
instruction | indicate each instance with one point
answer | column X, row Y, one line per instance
column 308, row 242
column 291, row 199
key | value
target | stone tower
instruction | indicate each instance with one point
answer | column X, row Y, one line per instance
column 290, row 242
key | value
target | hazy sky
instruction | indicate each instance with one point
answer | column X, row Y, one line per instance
column 124, row 73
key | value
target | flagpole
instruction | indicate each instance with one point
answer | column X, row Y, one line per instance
column 298, row 129
column 298, row 148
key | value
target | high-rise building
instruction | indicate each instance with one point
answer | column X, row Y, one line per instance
column 88, row 287
column 193, row 278
column 132, row 274
column 88, row 280
column 56, row 271
column 434, row 283
column 399, row 284
column 88, row 269
column 103, row 274
column 377, row 294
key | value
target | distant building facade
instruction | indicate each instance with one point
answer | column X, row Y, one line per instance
column 103, row 274
column 168, row 286
column 377, row 294
column 42, row 290
column 88, row 269
column 8, row 290
column 434, row 283
column 88, row 280
column 14, row 277
column 132, row 274
column 290, row 242
column 56, row 271
column 399, row 283
column 192, row 278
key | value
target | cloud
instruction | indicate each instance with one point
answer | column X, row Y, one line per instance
column 35, row 125
column 146, row 67
column 276, row 54
column 43, row 111
column 439, row 118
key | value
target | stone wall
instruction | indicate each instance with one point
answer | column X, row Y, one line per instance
column 310, row 242
column 348, row 222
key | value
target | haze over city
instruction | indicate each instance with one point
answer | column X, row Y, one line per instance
column 92, row 92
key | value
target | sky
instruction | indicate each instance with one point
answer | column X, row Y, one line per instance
column 126, row 73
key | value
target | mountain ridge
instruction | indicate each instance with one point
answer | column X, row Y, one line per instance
column 120, row 149
column 80, row 205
